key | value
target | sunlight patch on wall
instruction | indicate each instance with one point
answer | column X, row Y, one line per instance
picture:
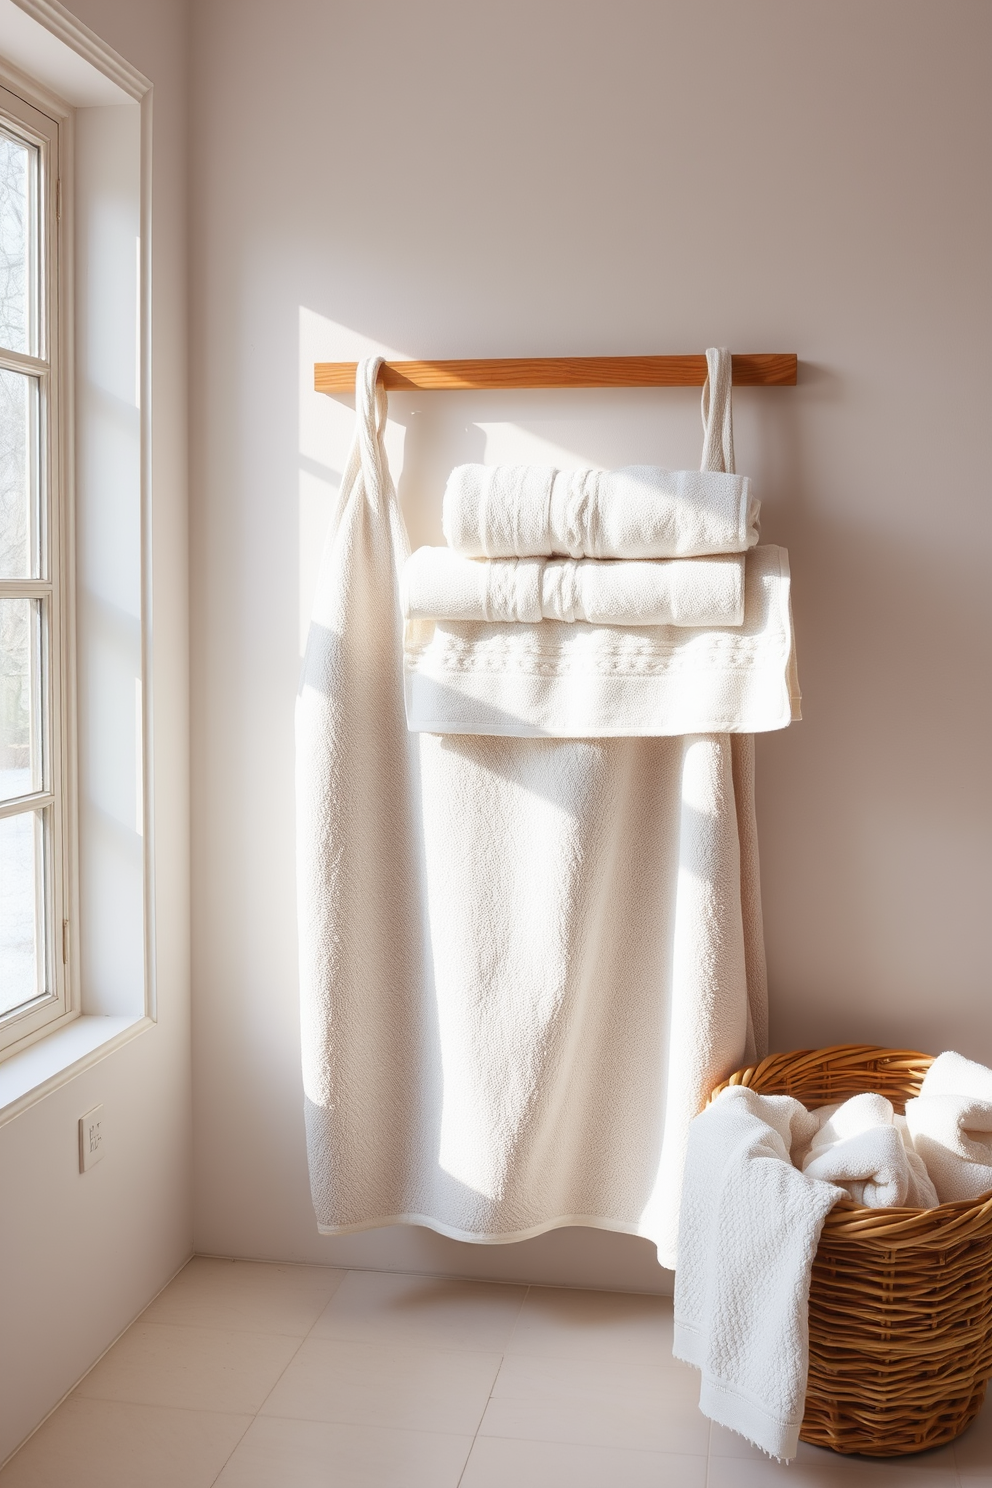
column 429, row 433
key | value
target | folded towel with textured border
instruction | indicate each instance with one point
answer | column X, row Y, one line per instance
column 748, row 1232
column 555, row 680
column 438, row 583
column 642, row 511
column 951, row 1125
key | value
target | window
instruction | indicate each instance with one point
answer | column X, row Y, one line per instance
column 34, row 919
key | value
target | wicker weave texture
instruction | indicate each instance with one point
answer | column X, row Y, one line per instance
column 900, row 1306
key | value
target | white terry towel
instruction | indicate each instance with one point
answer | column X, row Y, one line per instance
column 441, row 584
column 524, row 962
column 536, row 511
column 859, row 1146
column 748, row 1233
column 557, row 680
column 951, row 1125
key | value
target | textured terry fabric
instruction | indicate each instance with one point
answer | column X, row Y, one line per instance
column 863, row 1148
column 750, row 1225
column 691, row 592
column 524, row 962
column 951, row 1125
column 559, row 680
column 642, row 511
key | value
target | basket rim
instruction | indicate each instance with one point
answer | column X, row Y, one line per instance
column 947, row 1224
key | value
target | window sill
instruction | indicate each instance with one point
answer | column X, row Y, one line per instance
column 44, row 1066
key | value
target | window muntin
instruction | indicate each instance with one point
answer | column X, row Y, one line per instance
column 34, row 985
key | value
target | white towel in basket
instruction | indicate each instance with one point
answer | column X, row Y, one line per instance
column 951, row 1124
column 748, row 1232
column 860, row 1146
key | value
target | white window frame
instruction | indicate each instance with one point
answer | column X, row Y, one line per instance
column 41, row 119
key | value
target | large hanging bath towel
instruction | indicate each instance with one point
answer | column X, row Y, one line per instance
column 525, row 962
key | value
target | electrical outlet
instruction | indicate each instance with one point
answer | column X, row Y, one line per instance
column 90, row 1138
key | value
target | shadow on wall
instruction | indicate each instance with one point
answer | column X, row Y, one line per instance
column 877, row 784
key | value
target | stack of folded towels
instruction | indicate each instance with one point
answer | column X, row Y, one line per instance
column 640, row 546
column 644, row 583
column 762, row 1173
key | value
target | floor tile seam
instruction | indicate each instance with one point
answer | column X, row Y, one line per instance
column 516, row 1321
column 231, row 1453
column 226, row 1328
column 365, row 1425
column 568, row 1441
column 90, row 1368
column 275, row 1382
column 647, row 1365
column 485, row 1408
column 196, row 1410
column 502, row 1361
column 647, row 1370
column 394, row 1346
column 411, row 1343
column 320, row 1314
column 328, row 1421
column 624, row 1445
column 215, row 1328
column 206, row 1410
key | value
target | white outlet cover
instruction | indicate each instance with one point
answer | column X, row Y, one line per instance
column 90, row 1138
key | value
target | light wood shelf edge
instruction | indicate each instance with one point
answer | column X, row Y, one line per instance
column 754, row 369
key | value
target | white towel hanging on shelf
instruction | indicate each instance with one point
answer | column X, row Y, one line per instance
column 524, row 962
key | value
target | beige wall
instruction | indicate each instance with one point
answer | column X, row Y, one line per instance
column 449, row 179
column 81, row 1255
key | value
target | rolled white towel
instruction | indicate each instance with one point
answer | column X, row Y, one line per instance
column 871, row 1165
column 641, row 511
column 925, row 1195
column 952, row 1074
column 953, row 1135
column 438, row 583
column 860, row 1147
column 848, row 1118
column 951, row 1126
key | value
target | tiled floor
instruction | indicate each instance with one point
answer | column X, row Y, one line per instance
column 253, row 1376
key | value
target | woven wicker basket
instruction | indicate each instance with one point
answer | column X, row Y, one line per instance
column 900, row 1304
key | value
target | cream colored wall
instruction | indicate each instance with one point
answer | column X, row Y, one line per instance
column 81, row 1255
column 448, row 179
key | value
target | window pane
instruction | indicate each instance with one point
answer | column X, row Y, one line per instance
column 18, row 244
column 20, row 507
column 21, row 763
column 22, row 959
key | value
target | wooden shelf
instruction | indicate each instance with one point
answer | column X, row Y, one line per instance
column 754, row 369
